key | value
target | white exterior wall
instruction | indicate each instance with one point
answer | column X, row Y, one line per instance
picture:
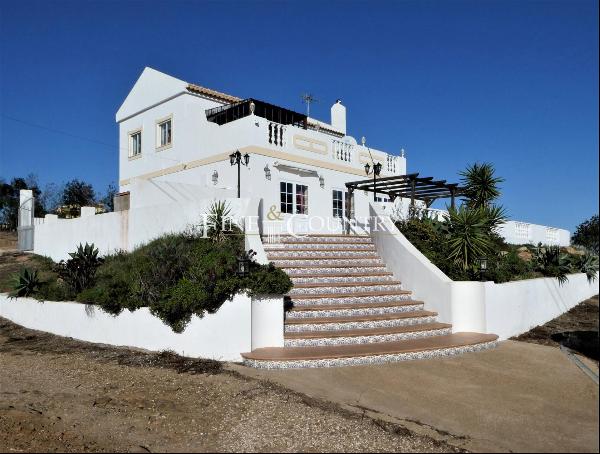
column 515, row 232
column 156, row 209
column 507, row 309
column 201, row 147
column 223, row 335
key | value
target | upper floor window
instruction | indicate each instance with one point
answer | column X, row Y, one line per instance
column 135, row 144
column 164, row 132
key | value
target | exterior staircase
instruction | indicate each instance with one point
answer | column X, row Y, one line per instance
column 348, row 309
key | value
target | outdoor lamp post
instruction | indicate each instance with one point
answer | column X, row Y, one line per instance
column 237, row 158
column 482, row 262
column 243, row 263
column 376, row 171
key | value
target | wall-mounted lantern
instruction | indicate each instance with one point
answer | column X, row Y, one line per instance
column 482, row 263
column 267, row 172
column 321, row 181
column 215, row 177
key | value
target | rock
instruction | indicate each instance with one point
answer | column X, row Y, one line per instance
column 525, row 255
column 523, row 249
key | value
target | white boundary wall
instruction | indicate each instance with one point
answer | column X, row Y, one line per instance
column 240, row 325
column 157, row 208
column 504, row 309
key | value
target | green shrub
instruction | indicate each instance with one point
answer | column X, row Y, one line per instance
column 267, row 280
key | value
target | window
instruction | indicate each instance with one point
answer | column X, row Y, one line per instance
column 522, row 231
column 301, row 199
column 552, row 236
column 135, row 144
column 286, row 191
column 381, row 199
column 164, row 132
column 294, row 198
column 340, row 202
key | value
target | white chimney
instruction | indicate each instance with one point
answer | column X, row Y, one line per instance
column 338, row 116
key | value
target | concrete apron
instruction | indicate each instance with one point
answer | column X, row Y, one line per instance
column 519, row 397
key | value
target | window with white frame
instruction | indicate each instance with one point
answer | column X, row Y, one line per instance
column 382, row 199
column 340, row 203
column 293, row 198
column 164, row 131
column 301, row 199
column 135, row 144
column 286, row 191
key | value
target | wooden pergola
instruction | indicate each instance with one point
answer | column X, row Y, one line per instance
column 409, row 186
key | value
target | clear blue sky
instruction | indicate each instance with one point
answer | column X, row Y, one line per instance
column 453, row 82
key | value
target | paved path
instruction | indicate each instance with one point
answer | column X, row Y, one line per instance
column 519, row 397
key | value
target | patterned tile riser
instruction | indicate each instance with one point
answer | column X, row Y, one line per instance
column 318, row 239
column 328, row 262
column 357, row 289
column 292, row 272
column 353, row 312
column 329, row 246
column 350, row 300
column 300, row 328
column 354, row 340
column 340, row 279
column 272, row 255
column 367, row 360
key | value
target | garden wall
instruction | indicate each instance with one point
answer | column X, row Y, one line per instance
column 505, row 309
column 176, row 207
column 240, row 325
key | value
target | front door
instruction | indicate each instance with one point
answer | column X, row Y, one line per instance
column 294, row 206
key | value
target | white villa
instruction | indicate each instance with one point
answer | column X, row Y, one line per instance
column 177, row 132
column 363, row 294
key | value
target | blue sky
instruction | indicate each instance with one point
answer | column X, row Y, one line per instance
column 453, row 82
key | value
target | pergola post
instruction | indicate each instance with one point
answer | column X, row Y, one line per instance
column 349, row 208
column 452, row 203
column 412, row 192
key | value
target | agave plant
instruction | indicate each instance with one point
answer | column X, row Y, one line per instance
column 587, row 264
column 26, row 283
column 220, row 222
column 80, row 270
column 552, row 263
column 480, row 185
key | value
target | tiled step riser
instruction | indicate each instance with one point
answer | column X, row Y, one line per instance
column 355, row 340
column 273, row 255
column 303, row 327
column 345, row 289
column 349, row 300
column 367, row 360
column 353, row 312
column 341, row 279
column 325, row 246
column 324, row 263
column 293, row 272
column 316, row 239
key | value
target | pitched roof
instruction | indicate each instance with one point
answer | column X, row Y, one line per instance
column 217, row 95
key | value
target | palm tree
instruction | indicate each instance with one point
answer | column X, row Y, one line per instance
column 480, row 185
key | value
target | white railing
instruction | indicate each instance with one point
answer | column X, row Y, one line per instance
column 277, row 134
column 343, row 151
column 392, row 163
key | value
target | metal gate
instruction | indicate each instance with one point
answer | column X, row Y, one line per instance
column 25, row 225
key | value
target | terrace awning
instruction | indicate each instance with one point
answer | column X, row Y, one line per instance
column 409, row 186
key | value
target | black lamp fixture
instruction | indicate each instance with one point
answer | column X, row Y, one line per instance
column 482, row 263
column 375, row 171
column 243, row 263
column 236, row 158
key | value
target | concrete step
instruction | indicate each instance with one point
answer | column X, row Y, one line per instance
column 370, row 353
column 366, row 336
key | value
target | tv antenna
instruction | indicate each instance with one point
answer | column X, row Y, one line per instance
column 307, row 99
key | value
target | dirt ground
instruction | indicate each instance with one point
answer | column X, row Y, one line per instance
column 583, row 317
column 58, row 394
